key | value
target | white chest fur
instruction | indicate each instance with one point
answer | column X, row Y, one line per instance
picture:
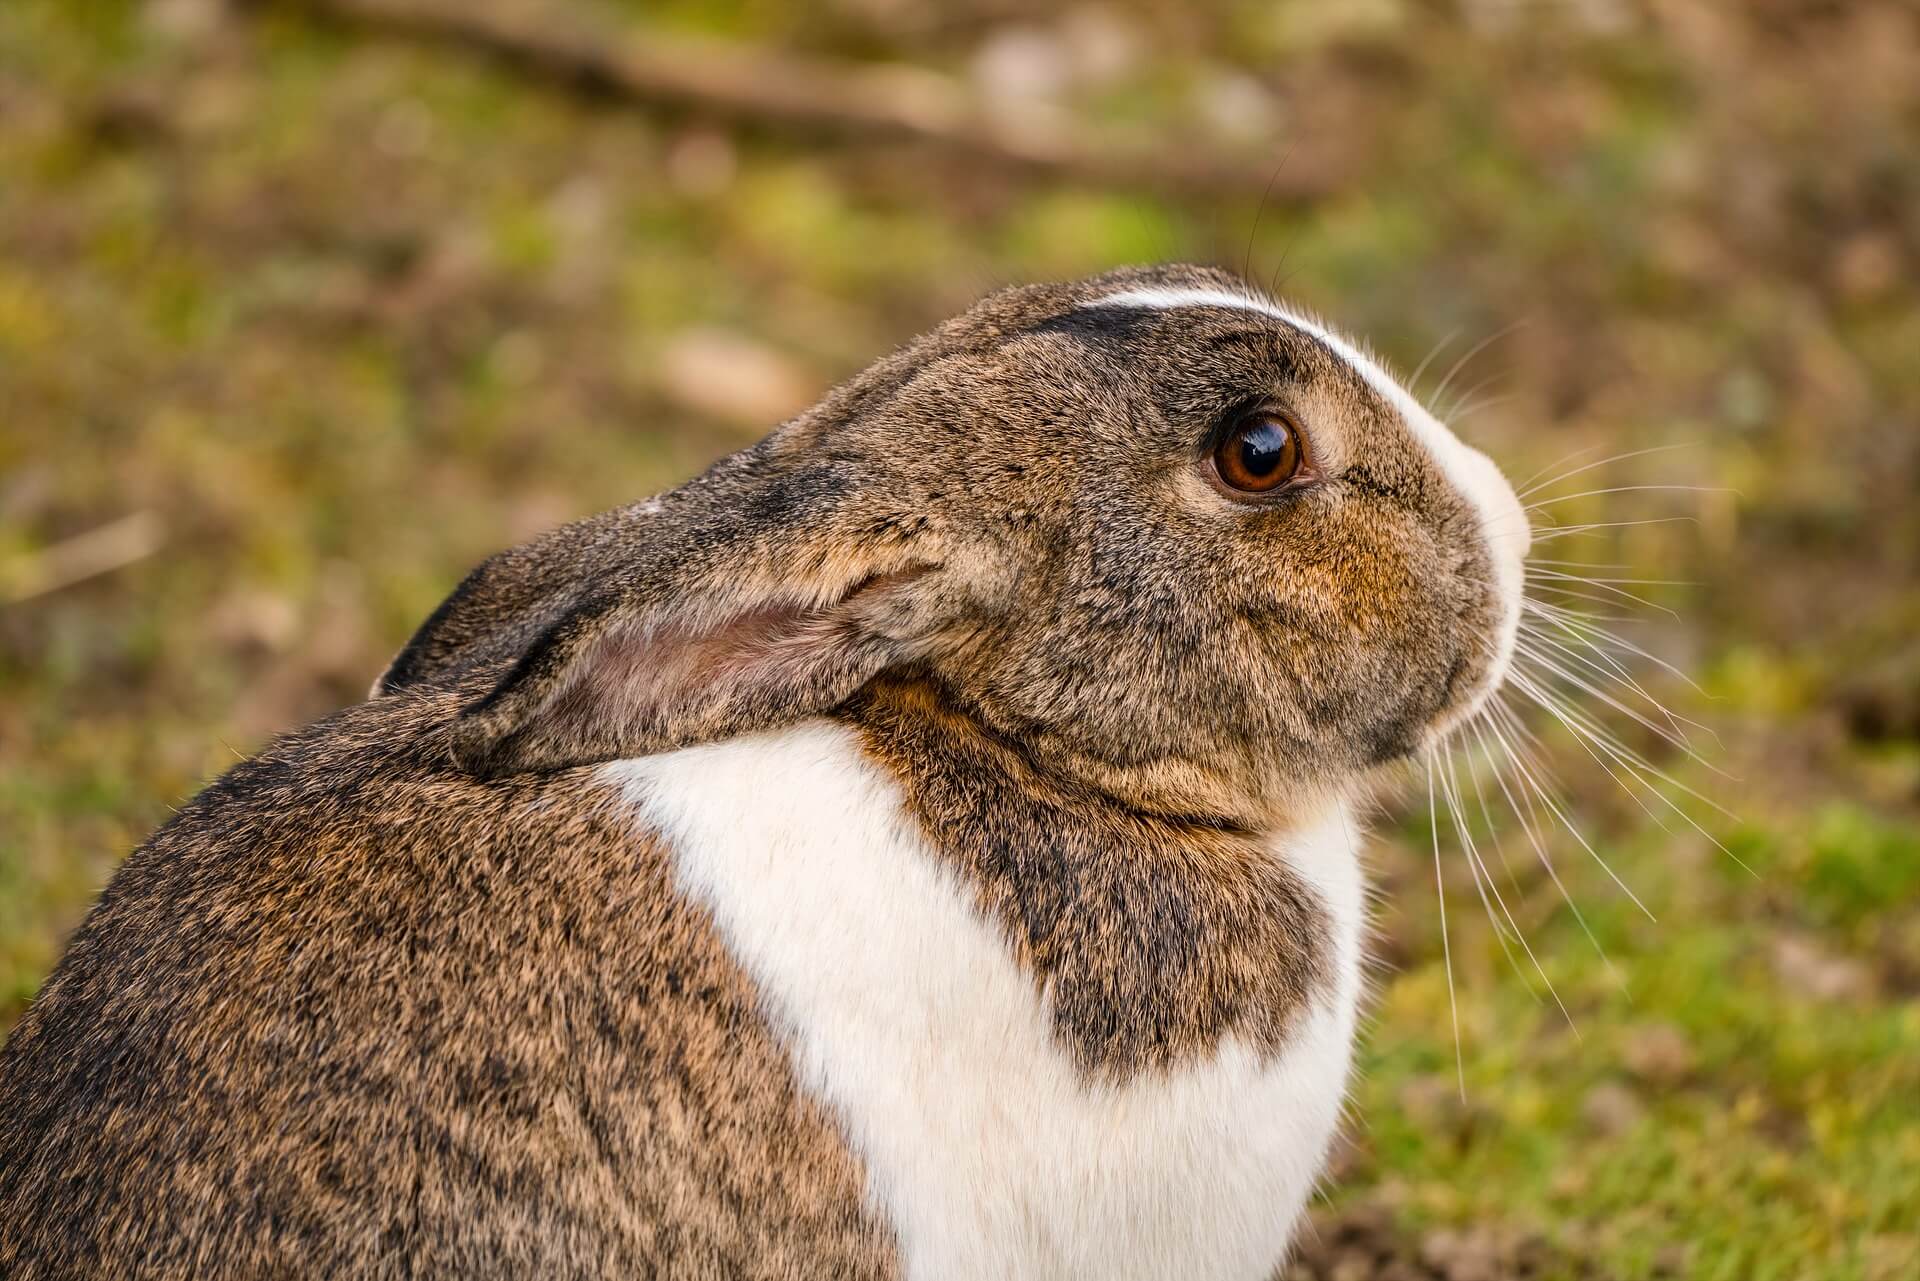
column 905, row 1011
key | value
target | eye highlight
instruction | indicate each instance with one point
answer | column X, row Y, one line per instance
column 1261, row 453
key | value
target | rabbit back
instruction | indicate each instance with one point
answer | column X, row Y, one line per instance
column 354, row 1013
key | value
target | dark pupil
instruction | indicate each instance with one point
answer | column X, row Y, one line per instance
column 1263, row 449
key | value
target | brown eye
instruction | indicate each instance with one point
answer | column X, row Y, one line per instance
column 1260, row 454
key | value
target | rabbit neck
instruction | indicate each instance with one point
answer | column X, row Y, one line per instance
column 1156, row 935
column 1217, row 787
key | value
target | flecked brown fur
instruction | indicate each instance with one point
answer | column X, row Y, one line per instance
column 1023, row 479
column 409, row 996
column 1153, row 936
column 354, row 1013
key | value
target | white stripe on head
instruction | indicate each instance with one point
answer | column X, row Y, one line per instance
column 1502, row 520
column 1363, row 364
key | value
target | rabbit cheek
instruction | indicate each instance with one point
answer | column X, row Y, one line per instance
column 1356, row 639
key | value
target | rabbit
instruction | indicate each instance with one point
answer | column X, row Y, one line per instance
column 922, row 846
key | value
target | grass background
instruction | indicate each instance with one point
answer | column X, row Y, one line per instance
column 299, row 319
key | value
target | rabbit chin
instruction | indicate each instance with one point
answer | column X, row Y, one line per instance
column 988, row 1149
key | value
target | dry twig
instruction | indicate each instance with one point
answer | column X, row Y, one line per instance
column 112, row 546
column 761, row 86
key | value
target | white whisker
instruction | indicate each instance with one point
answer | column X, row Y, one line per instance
column 1564, row 531
column 1576, row 622
column 1527, row 819
column 1441, row 391
column 1574, row 718
column 1673, row 738
column 1468, row 409
column 1608, row 667
column 1531, row 487
column 1534, row 482
column 1612, row 596
column 1453, row 409
column 1437, row 348
column 1493, row 831
column 1629, row 489
column 1449, row 788
column 1485, row 876
column 1642, row 770
column 1575, row 564
column 1533, row 571
column 1446, row 948
column 1553, row 807
column 1632, row 795
column 1573, row 661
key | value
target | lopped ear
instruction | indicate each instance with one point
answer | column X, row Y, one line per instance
column 753, row 597
column 617, row 677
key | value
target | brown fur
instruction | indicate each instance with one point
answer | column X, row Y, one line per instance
column 407, row 995
column 1153, row 936
column 354, row 1013
column 1027, row 479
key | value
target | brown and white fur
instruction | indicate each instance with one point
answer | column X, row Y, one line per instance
column 922, row 847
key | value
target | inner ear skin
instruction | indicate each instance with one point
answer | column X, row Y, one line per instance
column 636, row 690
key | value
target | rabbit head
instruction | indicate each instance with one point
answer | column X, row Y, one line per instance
column 1175, row 541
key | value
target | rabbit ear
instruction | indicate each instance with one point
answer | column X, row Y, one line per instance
column 753, row 597
column 618, row 677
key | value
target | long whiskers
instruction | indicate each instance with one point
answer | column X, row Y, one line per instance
column 1591, row 527
column 1528, row 818
column 1440, row 392
column 1628, row 489
column 1579, row 687
column 1437, row 348
column 1484, row 883
column 1533, row 484
column 1446, row 948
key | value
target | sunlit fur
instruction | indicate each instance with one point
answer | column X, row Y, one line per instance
column 918, row 845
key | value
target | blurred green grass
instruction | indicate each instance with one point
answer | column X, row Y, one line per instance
column 329, row 316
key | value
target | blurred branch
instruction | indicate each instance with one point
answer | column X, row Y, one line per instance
column 112, row 546
column 758, row 85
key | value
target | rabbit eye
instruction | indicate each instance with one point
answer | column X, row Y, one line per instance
column 1260, row 454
